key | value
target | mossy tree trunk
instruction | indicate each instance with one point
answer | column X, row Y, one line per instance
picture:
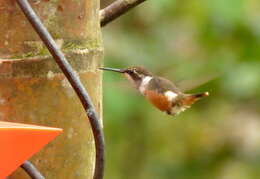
column 33, row 90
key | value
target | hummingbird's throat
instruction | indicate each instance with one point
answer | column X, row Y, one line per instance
column 144, row 83
column 139, row 83
column 131, row 80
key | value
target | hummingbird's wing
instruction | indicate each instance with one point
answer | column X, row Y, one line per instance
column 162, row 85
column 187, row 85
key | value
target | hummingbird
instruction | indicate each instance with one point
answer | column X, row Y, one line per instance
column 161, row 92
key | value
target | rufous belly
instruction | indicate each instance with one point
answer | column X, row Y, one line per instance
column 158, row 100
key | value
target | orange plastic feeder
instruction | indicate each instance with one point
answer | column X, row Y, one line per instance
column 18, row 142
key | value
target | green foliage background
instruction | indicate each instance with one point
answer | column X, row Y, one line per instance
column 219, row 137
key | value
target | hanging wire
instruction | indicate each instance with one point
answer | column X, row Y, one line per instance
column 75, row 83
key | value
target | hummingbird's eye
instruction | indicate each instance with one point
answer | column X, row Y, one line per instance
column 130, row 72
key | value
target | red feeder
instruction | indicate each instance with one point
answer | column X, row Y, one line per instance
column 19, row 142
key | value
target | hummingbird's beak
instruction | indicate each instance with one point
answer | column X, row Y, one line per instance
column 112, row 69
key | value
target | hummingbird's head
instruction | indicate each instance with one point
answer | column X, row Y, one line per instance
column 135, row 74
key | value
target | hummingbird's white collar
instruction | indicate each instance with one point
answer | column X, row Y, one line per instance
column 144, row 83
column 170, row 95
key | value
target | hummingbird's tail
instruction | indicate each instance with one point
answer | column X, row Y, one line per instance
column 200, row 95
column 191, row 98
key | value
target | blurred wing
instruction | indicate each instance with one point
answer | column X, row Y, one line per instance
column 187, row 85
column 162, row 85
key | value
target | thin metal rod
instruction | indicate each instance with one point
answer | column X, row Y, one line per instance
column 75, row 83
column 116, row 9
column 31, row 170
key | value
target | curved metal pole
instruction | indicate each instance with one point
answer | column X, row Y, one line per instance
column 74, row 81
column 116, row 9
column 31, row 170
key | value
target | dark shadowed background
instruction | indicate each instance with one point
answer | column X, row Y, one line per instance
column 188, row 42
